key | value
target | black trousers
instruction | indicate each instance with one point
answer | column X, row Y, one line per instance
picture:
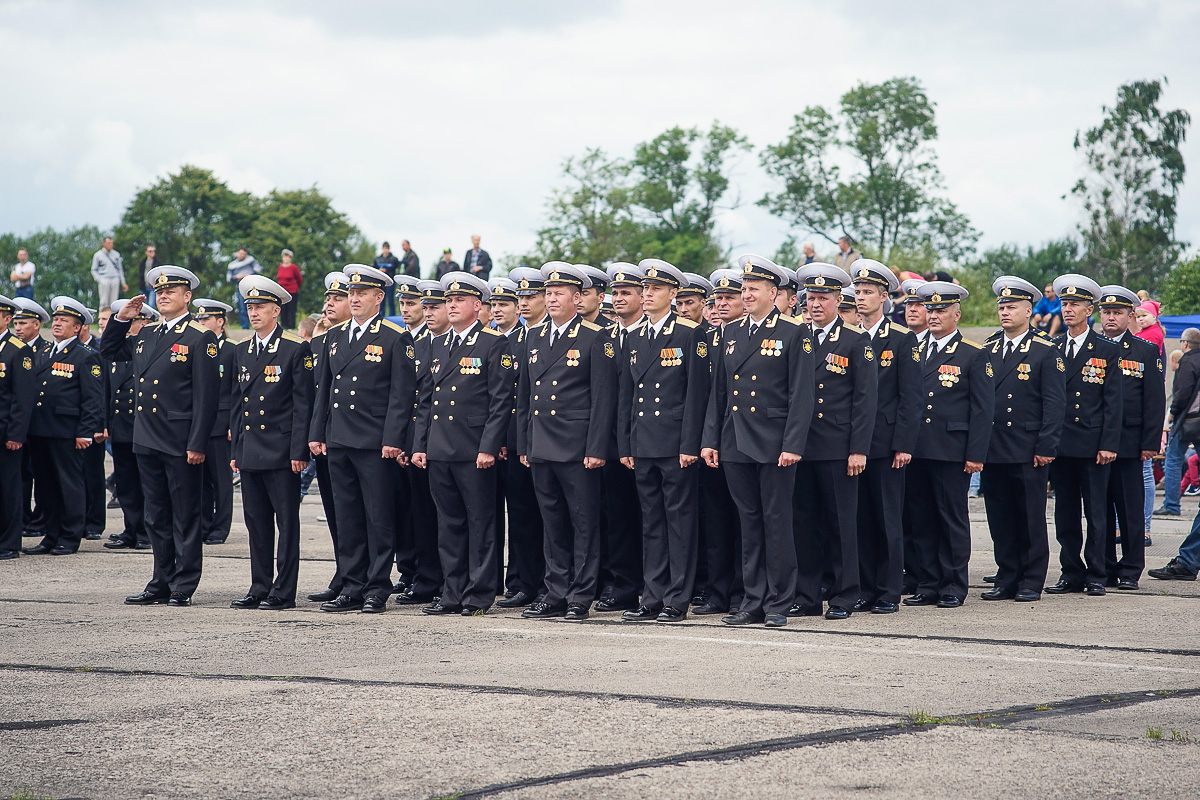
column 58, row 470
column 763, row 494
column 526, row 540
column 326, row 485
column 1081, row 487
column 880, row 531
column 621, row 527
column 270, row 500
column 37, row 499
column 941, row 526
column 825, row 527
column 670, row 530
column 501, row 525
column 569, row 498
column 721, row 534
column 129, row 493
column 1014, row 496
column 466, row 502
column 1126, row 505
column 96, row 513
column 427, row 580
column 12, row 498
column 406, row 553
column 171, row 488
column 362, row 491
column 217, row 492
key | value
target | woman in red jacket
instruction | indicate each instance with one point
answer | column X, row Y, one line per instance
column 289, row 278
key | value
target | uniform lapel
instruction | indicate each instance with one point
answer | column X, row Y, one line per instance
column 347, row 349
column 943, row 353
column 441, row 347
column 259, row 359
column 163, row 339
column 1019, row 356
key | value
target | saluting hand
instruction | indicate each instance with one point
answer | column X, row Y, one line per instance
column 132, row 308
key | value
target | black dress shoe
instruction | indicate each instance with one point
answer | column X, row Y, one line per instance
column 612, row 604
column 798, row 610
column 249, row 601
column 1064, row 587
column 700, row 598
column 742, row 618
column 1173, row 571
column 374, row 604
column 440, row 609
column 862, row 604
column 321, row 597
column 709, row 608
column 64, row 550
column 920, row 600
column 118, row 544
column 640, row 614
column 36, row 550
column 671, row 614
column 884, row 607
column 400, row 587
column 214, row 540
column 274, row 603
column 837, row 612
column 31, row 534
column 113, row 503
column 989, row 578
column 1127, row 584
column 1027, row 596
column 180, row 600
column 147, row 599
column 576, row 612
column 5, row 555
column 93, row 535
column 540, row 610
column 411, row 598
column 949, row 601
column 343, row 602
column 999, row 594
column 774, row 620
column 1095, row 590
column 516, row 600
column 143, row 546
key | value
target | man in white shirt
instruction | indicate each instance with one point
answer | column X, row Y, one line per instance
column 109, row 272
column 22, row 275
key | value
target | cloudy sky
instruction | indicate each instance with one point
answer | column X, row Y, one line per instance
column 432, row 121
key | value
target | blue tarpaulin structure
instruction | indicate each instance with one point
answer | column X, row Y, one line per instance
column 1173, row 326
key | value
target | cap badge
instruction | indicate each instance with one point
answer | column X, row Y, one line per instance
column 356, row 277
column 936, row 298
column 336, row 284
column 724, row 282
column 1070, row 290
column 554, row 275
column 652, row 273
column 454, row 287
column 161, row 279
column 253, row 292
column 819, row 280
column 524, row 283
column 864, row 273
column 1007, row 292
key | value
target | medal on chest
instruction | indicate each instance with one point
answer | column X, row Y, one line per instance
column 836, row 363
column 1093, row 370
column 179, row 352
column 470, row 366
column 373, row 352
column 1023, row 371
column 572, row 358
column 670, row 357
column 771, row 347
column 1132, row 369
column 272, row 373
column 949, row 374
column 61, row 369
column 885, row 358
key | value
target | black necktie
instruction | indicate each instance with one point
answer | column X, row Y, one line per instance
column 622, row 339
column 553, row 338
column 653, row 334
column 356, row 334
column 1008, row 350
column 753, row 329
column 260, row 347
column 1071, row 349
column 932, row 350
column 455, row 342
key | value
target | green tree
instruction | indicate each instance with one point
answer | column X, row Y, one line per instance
column 1180, row 291
column 590, row 220
column 63, row 260
column 1129, row 194
column 891, row 194
column 1040, row 266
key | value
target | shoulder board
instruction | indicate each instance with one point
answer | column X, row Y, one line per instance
column 796, row 320
column 17, row 343
column 196, row 326
column 687, row 323
column 541, row 324
column 1042, row 341
column 854, row 328
column 591, row 326
column 318, row 335
column 994, row 336
column 899, row 328
column 88, row 347
column 340, row 326
column 965, row 340
column 291, row 337
column 492, row 332
column 387, row 323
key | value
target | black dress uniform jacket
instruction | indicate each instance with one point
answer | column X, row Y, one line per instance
column 1094, row 397
column 122, row 401
column 17, row 361
column 899, row 391
column 225, row 395
column 271, row 402
column 959, row 401
column 177, row 383
column 846, row 396
column 70, row 395
column 748, row 419
column 1030, row 398
column 1144, row 397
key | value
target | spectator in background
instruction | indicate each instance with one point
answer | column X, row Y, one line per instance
column 290, row 278
column 387, row 263
column 148, row 262
column 308, row 326
column 244, row 264
column 1173, row 360
column 22, row 275
column 447, row 264
column 1184, row 385
column 109, row 272
column 1148, row 325
column 1047, row 314
column 412, row 264
column 847, row 255
column 477, row 261
column 810, row 253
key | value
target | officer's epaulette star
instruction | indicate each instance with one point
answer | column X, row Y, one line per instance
column 387, row 323
column 196, row 326
column 994, row 336
column 1040, row 340
column 591, row 326
column 492, row 332
column 977, row 346
column 795, row 320
column 687, row 323
column 291, row 337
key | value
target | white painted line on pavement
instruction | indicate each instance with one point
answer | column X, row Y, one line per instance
column 583, row 630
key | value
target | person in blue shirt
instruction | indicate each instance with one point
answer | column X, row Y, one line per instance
column 1047, row 314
